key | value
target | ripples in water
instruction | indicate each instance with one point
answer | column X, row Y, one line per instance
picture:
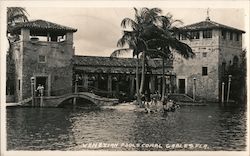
column 67, row 129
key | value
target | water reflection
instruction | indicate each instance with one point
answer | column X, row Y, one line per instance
column 68, row 129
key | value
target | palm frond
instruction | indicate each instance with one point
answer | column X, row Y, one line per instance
column 120, row 52
column 182, row 48
column 129, row 22
column 16, row 13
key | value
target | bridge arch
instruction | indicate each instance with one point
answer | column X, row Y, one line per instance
column 86, row 98
column 55, row 101
column 80, row 102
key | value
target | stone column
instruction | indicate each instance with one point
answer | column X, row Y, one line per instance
column 25, row 34
column 85, row 81
column 109, row 83
column 69, row 37
column 132, row 85
column 159, row 82
column 97, row 81
column 48, row 37
column 152, row 84
column 117, row 88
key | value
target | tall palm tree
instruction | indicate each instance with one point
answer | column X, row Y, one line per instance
column 14, row 15
column 166, row 42
column 136, row 39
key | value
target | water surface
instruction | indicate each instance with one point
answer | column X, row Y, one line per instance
column 220, row 128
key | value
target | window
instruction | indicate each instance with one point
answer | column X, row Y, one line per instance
column 224, row 34
column 237, row 36
column 207, row 33
column 204, row 71
column 231, row 36
column 204, row 54
column 41, row 59
column 195, row 35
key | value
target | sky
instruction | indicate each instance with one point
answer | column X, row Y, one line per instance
column 98, row 29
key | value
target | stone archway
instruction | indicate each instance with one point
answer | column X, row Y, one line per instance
column 80, row 102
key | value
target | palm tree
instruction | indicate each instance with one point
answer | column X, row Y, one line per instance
column 136, row 39
column 14, row 15
column 166, row 42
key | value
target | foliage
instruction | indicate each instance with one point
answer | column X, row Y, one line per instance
column 14, row 15
column 238, row 83
column 152, row 35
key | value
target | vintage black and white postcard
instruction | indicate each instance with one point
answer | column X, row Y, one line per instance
column 115, row 77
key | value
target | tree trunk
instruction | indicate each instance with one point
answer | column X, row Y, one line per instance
column 163, row 81
column 142, row 73
column 137, row 83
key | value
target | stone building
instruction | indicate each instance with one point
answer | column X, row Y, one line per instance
column 116, row 77
column 216, row 47
column 43, row 51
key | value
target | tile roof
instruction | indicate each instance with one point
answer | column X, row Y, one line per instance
column 104, row 61
column 208, row 24
column 43, row 25
column 105, row 64
column 112, row 62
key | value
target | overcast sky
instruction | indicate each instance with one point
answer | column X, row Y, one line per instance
column 98, row 29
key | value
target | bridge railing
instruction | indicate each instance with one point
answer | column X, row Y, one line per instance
column 57, row 92
column 97, row 91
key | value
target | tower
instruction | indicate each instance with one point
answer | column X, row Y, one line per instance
column 43, row 52
column 216, row 46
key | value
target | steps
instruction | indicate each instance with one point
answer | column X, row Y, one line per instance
column 180, row 97
column 183, row 99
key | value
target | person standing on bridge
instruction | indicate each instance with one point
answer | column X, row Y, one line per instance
column 39, row 89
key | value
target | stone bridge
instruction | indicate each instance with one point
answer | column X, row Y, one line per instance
column 55, row 101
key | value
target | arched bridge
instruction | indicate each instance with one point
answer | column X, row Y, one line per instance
column 55, row 101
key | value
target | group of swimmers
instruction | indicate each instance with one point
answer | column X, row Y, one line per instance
column 153, row 104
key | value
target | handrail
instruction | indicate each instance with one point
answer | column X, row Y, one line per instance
column 25, row 101
column 97, row 91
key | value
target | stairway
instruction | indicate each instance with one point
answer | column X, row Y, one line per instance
column 183, row 99
column 180, row 97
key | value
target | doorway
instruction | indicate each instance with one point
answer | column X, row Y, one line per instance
column 42, row 80
column 182, row 85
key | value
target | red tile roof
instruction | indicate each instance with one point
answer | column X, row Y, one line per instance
column 43, row 25
column 208, row 24
column 113, row 62
column 109, row 65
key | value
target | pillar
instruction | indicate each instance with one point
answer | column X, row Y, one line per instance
column 159, row 83
column 69, row 37
column 117, row 88
column 97, row 81
column 25, row 34
column 132, row 85
column 222, row 92
column 152, row 84
column 85, row 81
column 109, row 83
